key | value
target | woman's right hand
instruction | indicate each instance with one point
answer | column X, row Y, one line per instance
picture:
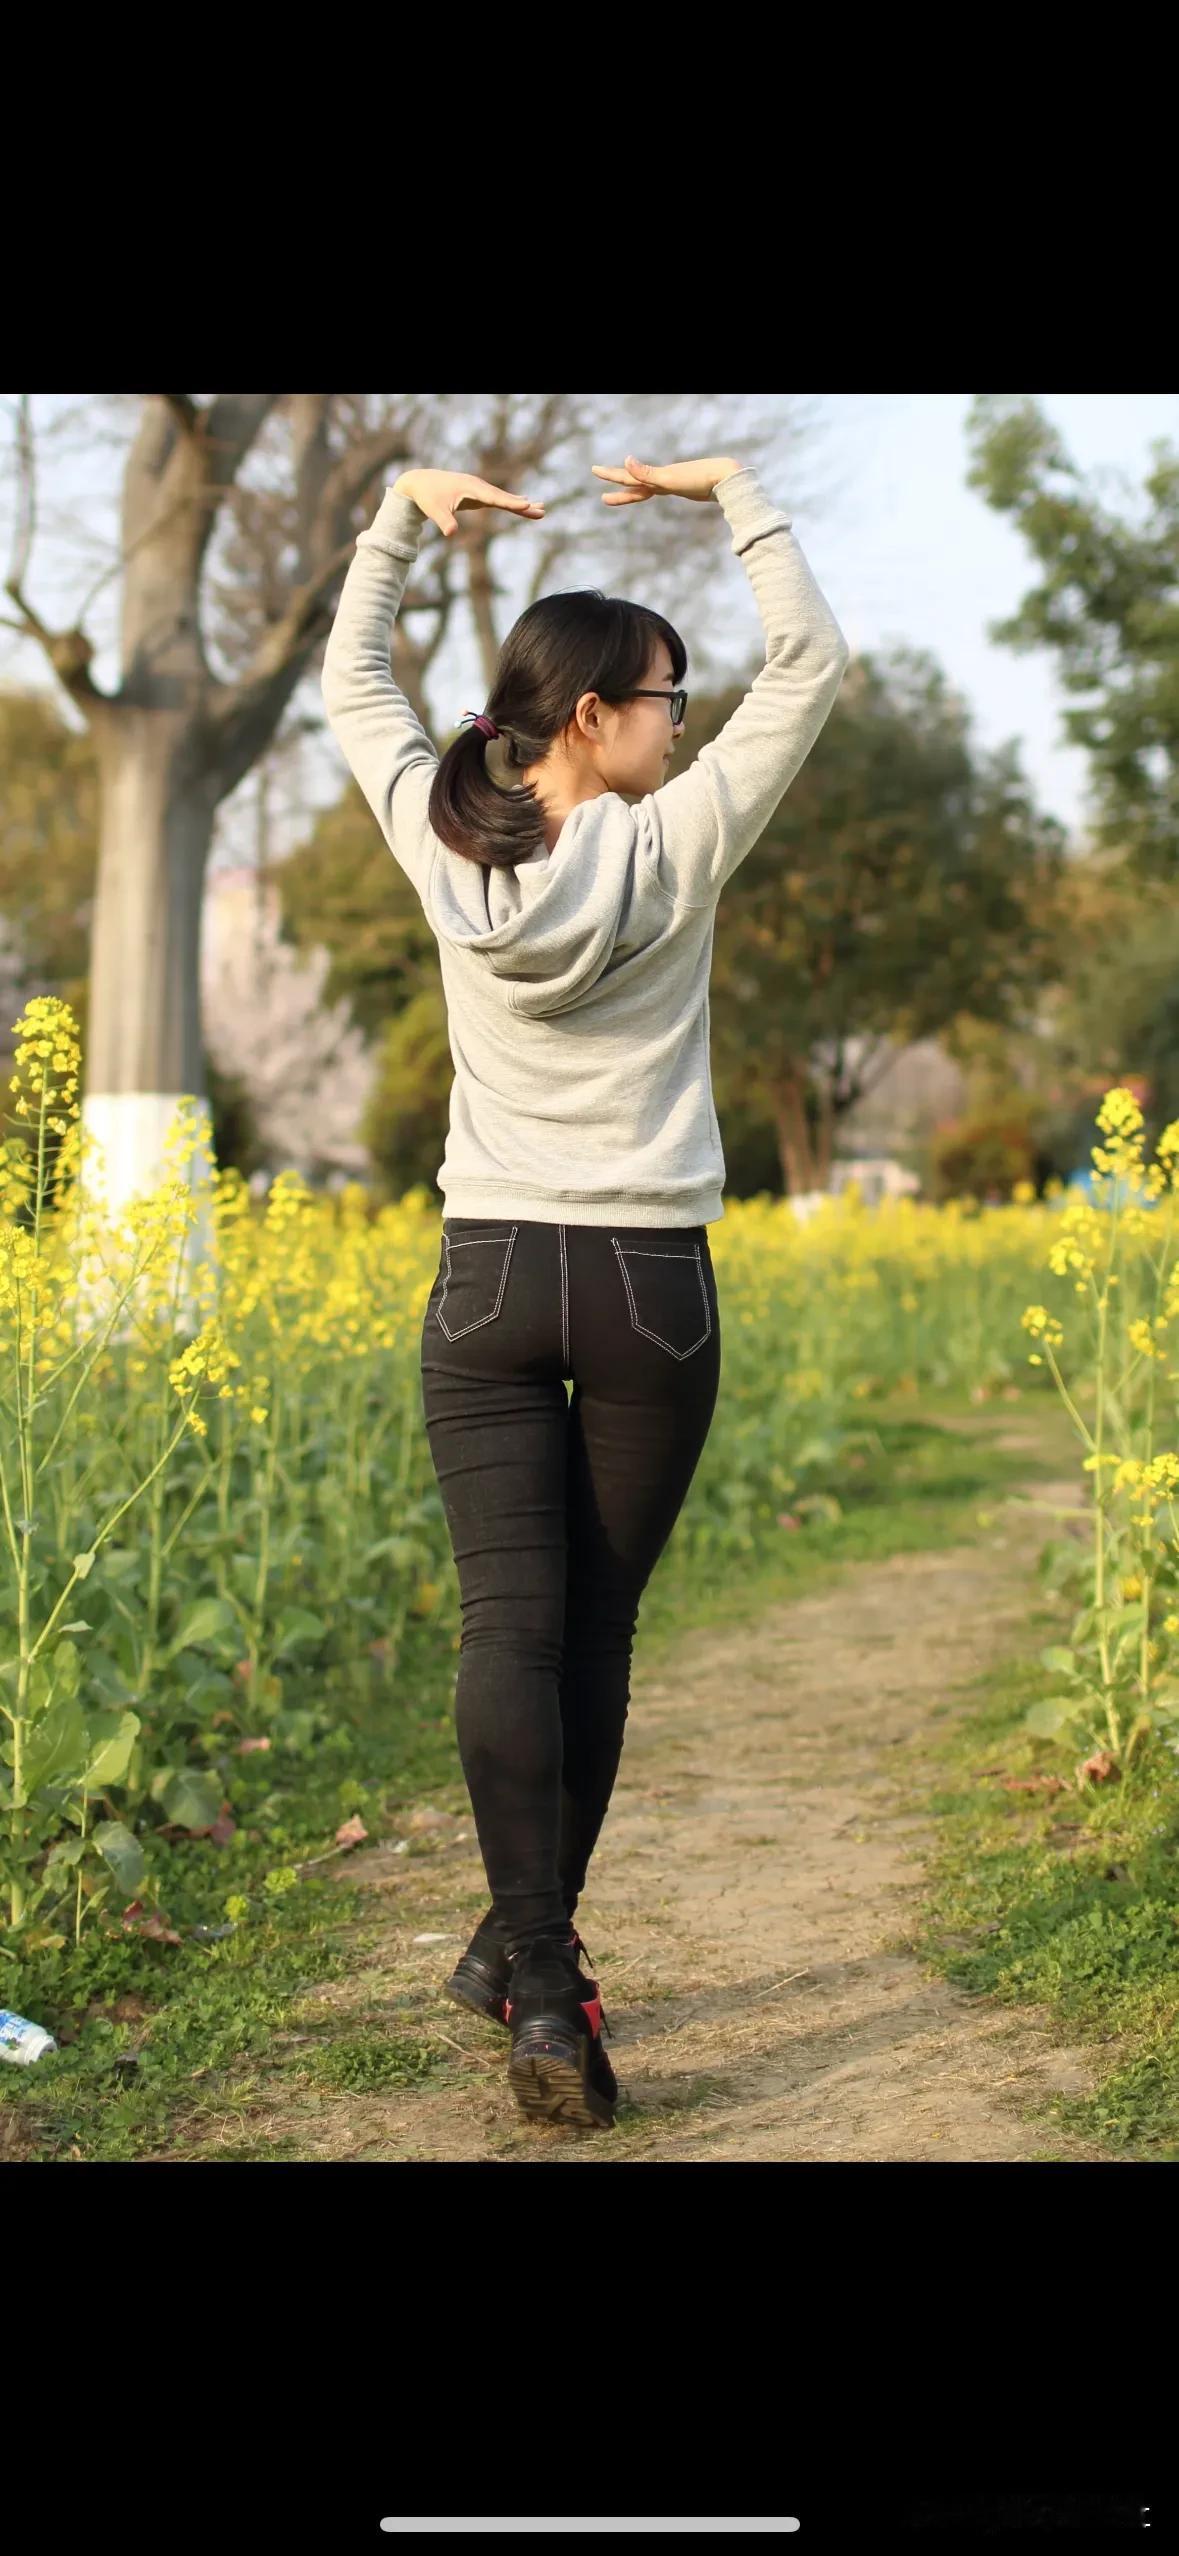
column 665, row 479
column 440, row 493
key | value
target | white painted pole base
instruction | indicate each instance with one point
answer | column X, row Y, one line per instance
column 125, row 1155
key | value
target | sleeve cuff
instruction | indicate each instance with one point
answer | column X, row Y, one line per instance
column 397, row 527
column 747, row 510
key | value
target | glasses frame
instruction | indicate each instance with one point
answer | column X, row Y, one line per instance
column 671, row 698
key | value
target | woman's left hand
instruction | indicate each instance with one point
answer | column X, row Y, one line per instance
column 440, row 493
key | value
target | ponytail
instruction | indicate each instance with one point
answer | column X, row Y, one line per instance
column 475, row 815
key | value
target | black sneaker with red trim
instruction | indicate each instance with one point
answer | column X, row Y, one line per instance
column 557, row 2068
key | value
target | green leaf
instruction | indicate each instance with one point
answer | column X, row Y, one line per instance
column 108, row 1679
column 67, row 1664
column 41, row 1686
column 297, row 1624
column 122, row 1562
column 122, row 1852
column 55, row 1746
column 68, row 1850
column 192, row 1800
column 1057, row 1658
column 1051, row 1715
column 206, row 1686
column 84, row 1564
column 210, row 1621
column 112, row 1757
column 297, row 1729
column 406, row 1551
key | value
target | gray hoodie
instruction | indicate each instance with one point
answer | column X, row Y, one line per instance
column 576, row 982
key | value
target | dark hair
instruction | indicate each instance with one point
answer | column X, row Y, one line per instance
column 561, row 647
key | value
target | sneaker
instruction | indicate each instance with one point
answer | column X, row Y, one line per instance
column 480, row 1980
column 557, row 2069
column 480, row 1976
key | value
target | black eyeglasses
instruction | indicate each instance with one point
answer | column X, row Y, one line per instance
column 678, row 702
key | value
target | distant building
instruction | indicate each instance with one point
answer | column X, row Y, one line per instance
column 876, row 1176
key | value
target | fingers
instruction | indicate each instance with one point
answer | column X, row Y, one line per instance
column 631, row 491
column 485, row 493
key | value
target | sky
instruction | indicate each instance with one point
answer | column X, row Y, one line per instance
column 902, row 548
column 908, row 550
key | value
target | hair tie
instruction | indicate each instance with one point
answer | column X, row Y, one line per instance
column 480, row 720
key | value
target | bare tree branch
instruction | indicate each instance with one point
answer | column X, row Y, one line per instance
column 69, row 651
column 328, row 489
column 412, row 657
column 152, row 528
column 182, row 405
column 26, row 496
column 228, row 428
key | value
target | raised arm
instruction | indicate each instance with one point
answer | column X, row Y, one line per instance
column 698, row 827
column 379, row 735
column 377, row 732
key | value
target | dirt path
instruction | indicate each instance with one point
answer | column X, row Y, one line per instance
column 747, row 1910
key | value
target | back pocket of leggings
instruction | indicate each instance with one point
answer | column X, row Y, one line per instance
column 475, row 1277
column 667, row 1296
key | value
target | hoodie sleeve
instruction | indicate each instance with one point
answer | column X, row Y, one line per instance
column 380, row 736
column 699, row 827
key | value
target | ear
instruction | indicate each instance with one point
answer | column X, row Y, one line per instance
column 587, row 717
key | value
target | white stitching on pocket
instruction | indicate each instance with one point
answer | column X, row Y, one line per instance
column 474, row 1242
column 638, row 1253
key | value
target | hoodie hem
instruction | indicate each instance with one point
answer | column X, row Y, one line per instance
column 579, row 1207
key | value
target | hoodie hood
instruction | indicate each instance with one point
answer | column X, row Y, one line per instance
column 550, row 927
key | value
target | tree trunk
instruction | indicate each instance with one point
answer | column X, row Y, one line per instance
column 796, row 1153
column 145, row 1050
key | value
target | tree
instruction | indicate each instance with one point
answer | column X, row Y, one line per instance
column 48, row 848
column 1107, row 605
column 174, row 738
column 1114, row 1015
column 903, row 881
column 239, row 512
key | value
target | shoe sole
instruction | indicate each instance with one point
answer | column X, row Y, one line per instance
column 546, row 2072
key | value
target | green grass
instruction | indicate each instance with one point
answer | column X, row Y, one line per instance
column 1065, row 1901
column 206, row 2018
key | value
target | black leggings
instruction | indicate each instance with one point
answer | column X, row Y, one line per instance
column 558, row 1509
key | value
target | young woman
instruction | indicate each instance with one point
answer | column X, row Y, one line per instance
column 572, row 888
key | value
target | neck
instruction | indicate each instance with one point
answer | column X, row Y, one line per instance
column 558, row 792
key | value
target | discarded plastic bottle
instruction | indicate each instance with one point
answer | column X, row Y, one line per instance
column 22, row 2041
